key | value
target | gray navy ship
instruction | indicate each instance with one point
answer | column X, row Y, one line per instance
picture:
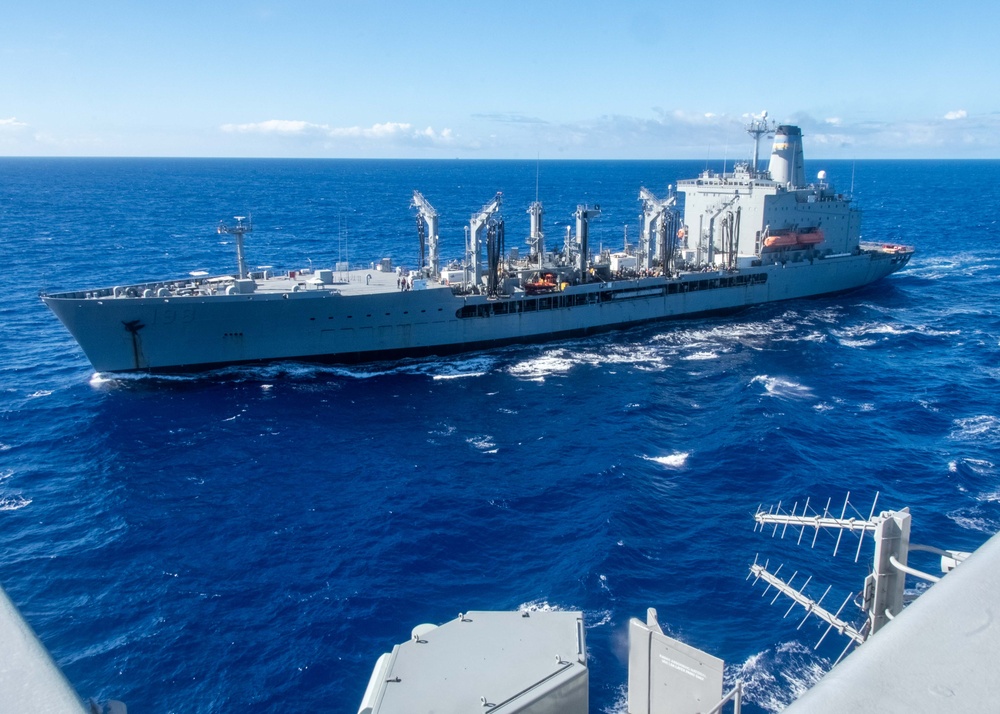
column 744, row 238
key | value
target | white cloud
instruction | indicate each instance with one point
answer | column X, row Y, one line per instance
column 681, row 133
column 12, row 123
column 385, row 131
column 271, row 126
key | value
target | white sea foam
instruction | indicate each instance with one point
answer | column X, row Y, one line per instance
column 458, row 375
column 455, row 369
column 974, row 522
column 981, row 467
column 559, row 361
column 782, row 388
column 484, row 443
column 857, row 343
column 676, row 460
column 597, row 618
column 774, row 678
column 870, row 333
column 701, row 356
column 443, row 430
column 984, row 427
column 968, row 264
column 13, row 503
column 537, row 369
column 539, row 606
column 101, row 379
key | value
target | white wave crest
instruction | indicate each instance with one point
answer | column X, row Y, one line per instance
column 539, row 606
column 857, row 344
column 620, row 705
column 13, row 503
column 974, row 522
column 458, row 368
column 559, row 361
column 443, row 430
column 676, row 460
column 597, row 618
column 774, row 678
column 539, row 368
column 484, row 443
column 982, row 467
column 870, row 333
column 984, row 427
column 783, row 388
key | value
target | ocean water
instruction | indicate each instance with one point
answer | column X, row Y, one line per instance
column 254, row 538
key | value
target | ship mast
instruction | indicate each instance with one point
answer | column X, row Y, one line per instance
column 536, row 239
column 757, row 128
column 238, row 230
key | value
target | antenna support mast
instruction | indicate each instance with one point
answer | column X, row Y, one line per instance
column 757, row 128
column 238, row 230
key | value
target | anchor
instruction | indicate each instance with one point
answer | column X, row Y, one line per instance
column 133, row 327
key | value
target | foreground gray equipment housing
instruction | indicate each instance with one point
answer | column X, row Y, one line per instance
column 524, row 662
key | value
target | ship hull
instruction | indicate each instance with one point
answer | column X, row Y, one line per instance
column 196, row 333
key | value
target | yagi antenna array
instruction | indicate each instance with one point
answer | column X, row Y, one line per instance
column 811, row 518
column 808, row 603
column 883, row 595
column 879, row 596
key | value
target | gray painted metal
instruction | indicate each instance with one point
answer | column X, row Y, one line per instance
column 939, row 654
column 29, row 680
column 528, row 663
column 666, row 676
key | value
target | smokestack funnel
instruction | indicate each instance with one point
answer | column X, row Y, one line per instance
column 786, row 157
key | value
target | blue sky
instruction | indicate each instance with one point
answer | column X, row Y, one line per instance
column 507, row 79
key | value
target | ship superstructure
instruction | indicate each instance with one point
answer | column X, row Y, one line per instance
column 745, row 237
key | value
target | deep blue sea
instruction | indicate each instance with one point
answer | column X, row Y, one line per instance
column 252, row 539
